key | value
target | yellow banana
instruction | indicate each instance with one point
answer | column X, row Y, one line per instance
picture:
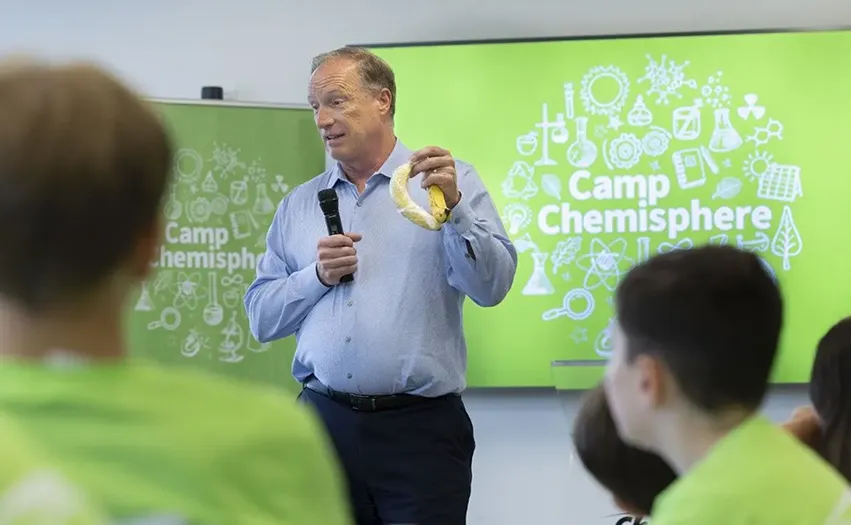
column 437, row 204
column 410, row 209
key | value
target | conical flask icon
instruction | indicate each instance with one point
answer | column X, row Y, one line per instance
column 263, row 205
column 724, row 136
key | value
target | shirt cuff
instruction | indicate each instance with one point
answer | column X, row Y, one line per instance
column 462, row 217
column 309, row 284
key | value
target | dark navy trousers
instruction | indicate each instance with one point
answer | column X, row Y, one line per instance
column 403, row 466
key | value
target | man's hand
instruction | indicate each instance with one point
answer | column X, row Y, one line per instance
column 438, row 169
column 336, row 256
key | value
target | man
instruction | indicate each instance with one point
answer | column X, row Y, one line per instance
column 84, row 165
column 383, row 358
column 695, row 342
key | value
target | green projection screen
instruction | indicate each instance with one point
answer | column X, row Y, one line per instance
column 601, row 152
column 233, row 165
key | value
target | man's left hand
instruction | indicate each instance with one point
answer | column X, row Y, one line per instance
column 438, row 169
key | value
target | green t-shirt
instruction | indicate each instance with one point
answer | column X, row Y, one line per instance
column 757, row 474
column 34, row 492
column 156, row 445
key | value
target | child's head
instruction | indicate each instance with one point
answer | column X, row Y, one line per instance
column 633, row 476
column 830, row 393
column 695, row 339
column 84, row 164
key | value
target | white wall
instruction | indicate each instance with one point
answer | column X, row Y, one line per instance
column 259, row 50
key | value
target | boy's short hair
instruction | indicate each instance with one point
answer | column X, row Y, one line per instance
column 84, row 164
column 712, row 315
column 633, row 476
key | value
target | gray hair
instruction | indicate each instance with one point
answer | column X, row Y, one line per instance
column 375, row 73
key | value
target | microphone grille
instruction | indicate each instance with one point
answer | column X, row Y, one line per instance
column 327, row 200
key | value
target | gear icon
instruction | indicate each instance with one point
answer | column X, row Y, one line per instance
column 625, row 151
column 761, row 136
column 608, row 108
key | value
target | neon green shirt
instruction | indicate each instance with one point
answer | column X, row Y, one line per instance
column 173, row 445
column 32, row 492
column 758, row 474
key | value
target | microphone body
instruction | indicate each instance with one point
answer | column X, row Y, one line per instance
column 331, row 210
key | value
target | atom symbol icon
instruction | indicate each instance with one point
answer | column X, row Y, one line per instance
column 605, row 264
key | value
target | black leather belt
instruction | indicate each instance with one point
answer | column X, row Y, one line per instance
column 364, row 403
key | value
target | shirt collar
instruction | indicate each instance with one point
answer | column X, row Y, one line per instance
column 397, row 157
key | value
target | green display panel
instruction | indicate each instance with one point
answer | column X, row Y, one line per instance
column 602, row 152
column 233, row 166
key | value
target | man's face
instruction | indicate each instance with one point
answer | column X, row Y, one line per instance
column 346, row 113
column 632, row 390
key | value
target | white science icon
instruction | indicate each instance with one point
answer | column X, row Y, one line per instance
column 539, row 282
column 604, row 342
column 639, row 115
column 604, row 264
column 582, row 152
column 724, row 137
column 570, row 309
column 780, row 183
column 527, row 144
column 787, row 241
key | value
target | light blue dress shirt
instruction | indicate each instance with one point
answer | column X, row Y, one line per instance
column 398, row 327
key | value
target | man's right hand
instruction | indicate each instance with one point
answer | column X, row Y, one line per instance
column 336, row 257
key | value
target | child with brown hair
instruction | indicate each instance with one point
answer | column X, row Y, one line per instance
column 84, row 166
column 633, row 476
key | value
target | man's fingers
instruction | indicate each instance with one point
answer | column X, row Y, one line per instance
column 431, row 163
column 428, row 151
column 355, row 237
column 327, row 254
column 336, row 241
column 343, row 270
column 339, row 262
column 346, row 270
column 436, row 179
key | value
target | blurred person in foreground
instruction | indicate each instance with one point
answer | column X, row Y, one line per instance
column 383, row 359
column 33, row 490
column 84, row 164
column 695, row 338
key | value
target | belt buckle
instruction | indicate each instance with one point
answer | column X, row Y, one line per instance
column 358, row 402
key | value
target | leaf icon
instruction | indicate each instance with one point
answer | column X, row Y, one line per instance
column 565, row 252
column 727, row 188
column 551, row 185
column 787, row 241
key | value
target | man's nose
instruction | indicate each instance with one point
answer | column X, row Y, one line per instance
column 323, row 118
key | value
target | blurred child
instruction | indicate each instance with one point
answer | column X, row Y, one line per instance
column 33, row 491
column 633, row 476
column 694, row 344
column 827, row 425
column 84, row 165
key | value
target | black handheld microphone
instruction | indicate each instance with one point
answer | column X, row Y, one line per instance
column 331, row 209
